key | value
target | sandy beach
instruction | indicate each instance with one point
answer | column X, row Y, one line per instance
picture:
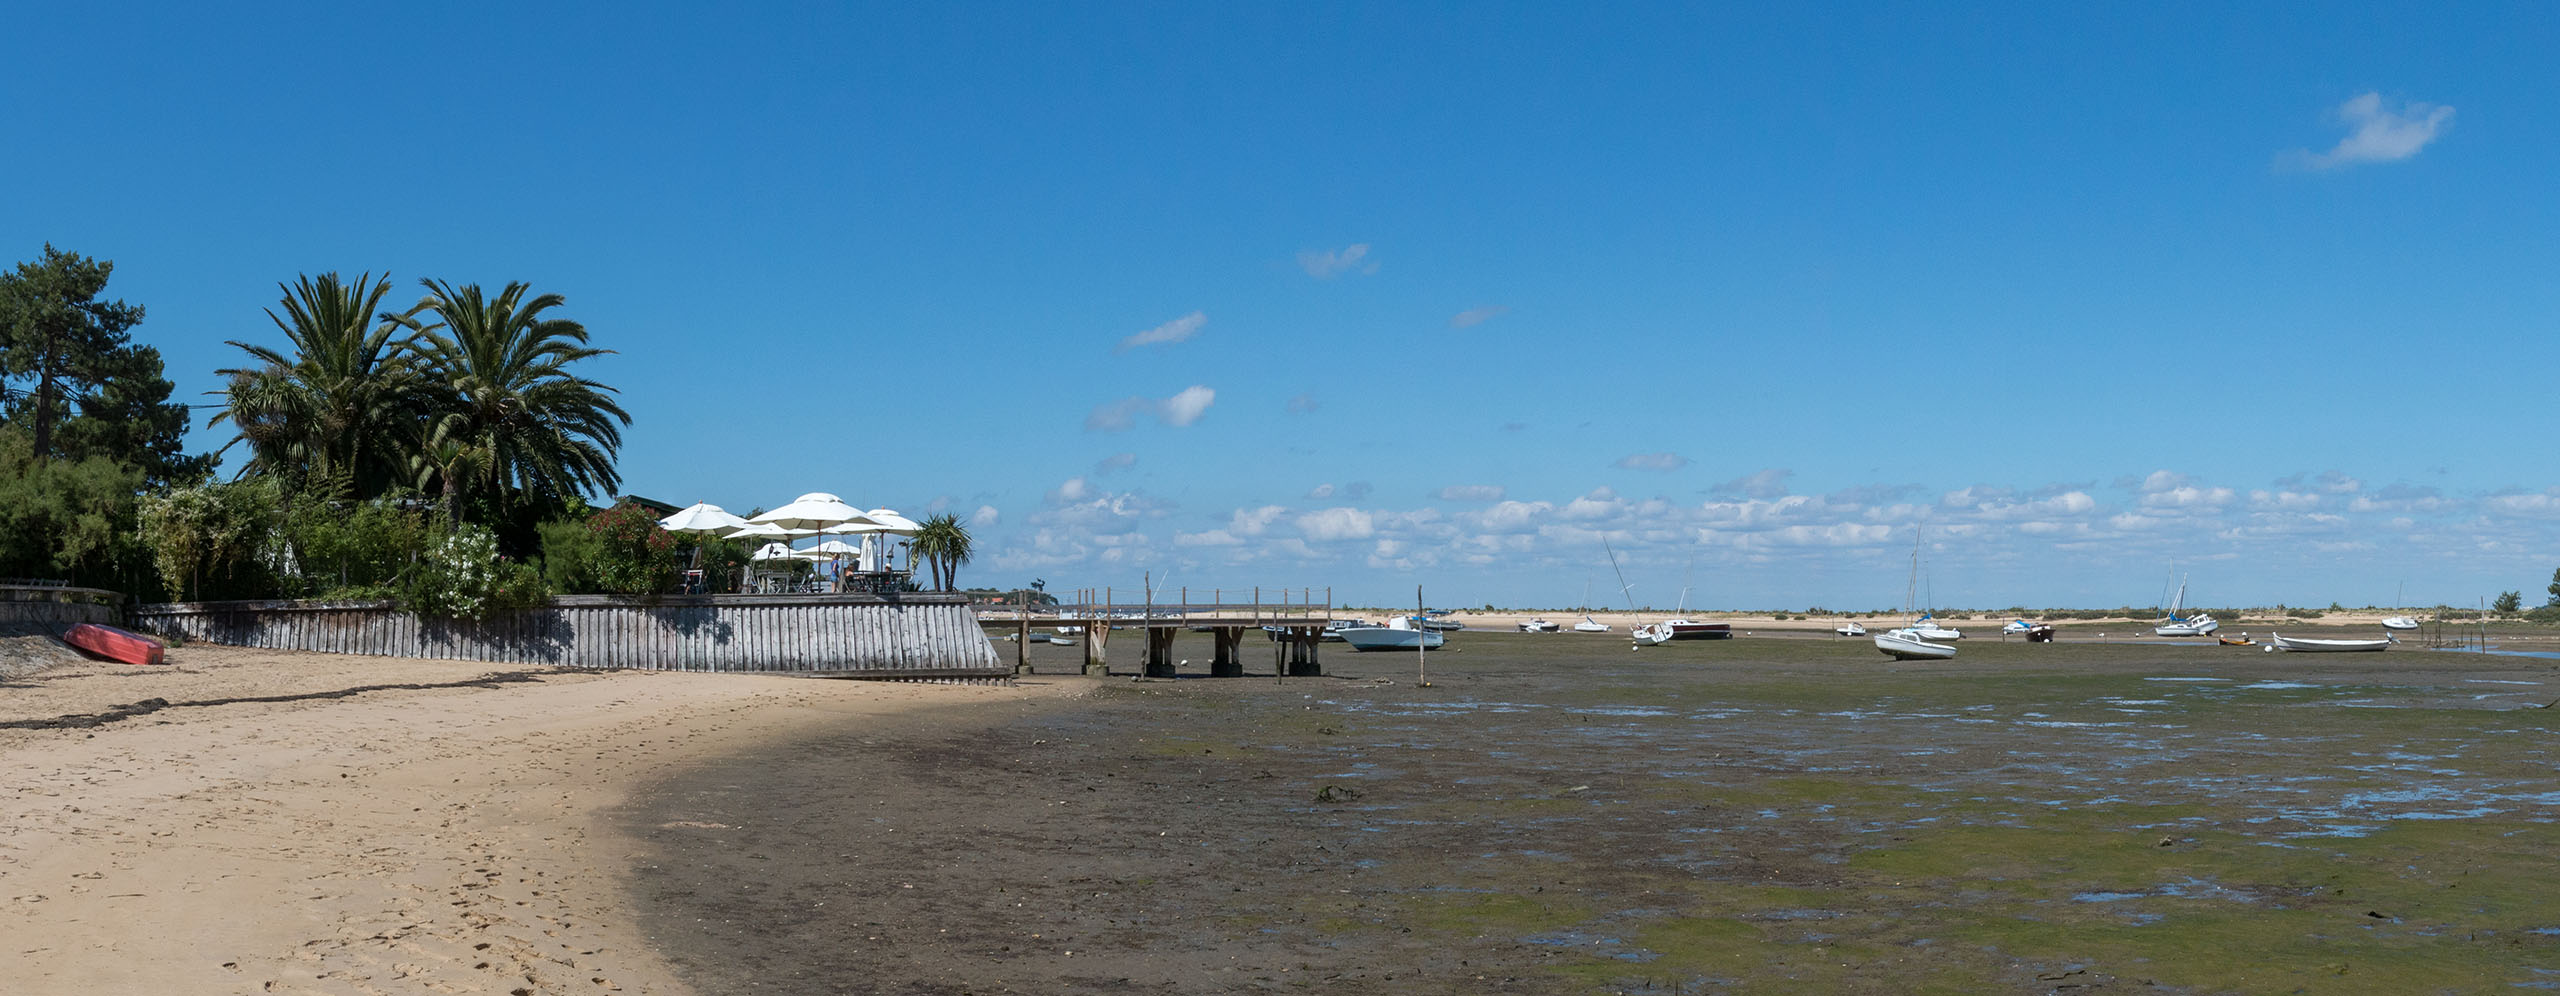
column 378, row 825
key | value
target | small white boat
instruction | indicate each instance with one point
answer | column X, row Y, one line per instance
column 1539, row 626
column 1400, row 633
column 2016, row 627
column 1850, row 629
column 1649, row 636
column 1906, row 644
column 2400, row 623
column 1587, row 625
column 2305, row 646
column 1926, row 627
column 2199, row 624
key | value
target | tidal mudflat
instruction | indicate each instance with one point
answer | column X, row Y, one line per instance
column 1555, row 814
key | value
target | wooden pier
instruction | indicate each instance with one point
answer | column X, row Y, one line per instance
column 1293, row 618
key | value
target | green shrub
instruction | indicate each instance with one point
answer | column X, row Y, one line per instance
column 639, row 556
column 459, row 576
column 570, row 554
column 354, row 550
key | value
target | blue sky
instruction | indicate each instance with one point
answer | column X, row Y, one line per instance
column 1376, row 296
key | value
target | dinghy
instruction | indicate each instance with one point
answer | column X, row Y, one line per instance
column 114, row 644
column 1906, row 644
column 2304, row 646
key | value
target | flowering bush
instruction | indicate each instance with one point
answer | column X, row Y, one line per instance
column 634, row 555
column 458, row 578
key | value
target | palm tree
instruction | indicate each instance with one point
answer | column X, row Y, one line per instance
column 533, row 427
column 345, row 404
column 945, row 545
column 446, row 462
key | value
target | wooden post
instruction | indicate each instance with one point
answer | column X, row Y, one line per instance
column 1096, row 659
column 1223, row 659
column 1160, row 651
column 1022, row 638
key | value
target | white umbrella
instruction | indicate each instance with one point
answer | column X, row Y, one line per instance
column 832, row 548
column 815, row 512
column 760, row 530
column 774, row 551
column 701, row 517
column 891, row 522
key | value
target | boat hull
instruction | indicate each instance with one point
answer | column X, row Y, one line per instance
column 1906, row 645
column 1682, row 629
column 1385, row 638
column 114, row 644
column 2040, row 634
column 1852, row 629
column 2402, row 623
column 2305, row 646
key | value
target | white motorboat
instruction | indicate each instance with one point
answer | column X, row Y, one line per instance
column 1928, row 628
column 1850, row 629
column 1539, row 626
column 2199, row 624
column 1588, row 625
column 1400, row 633
column 2016, row 627
column 1906, row 644
column 2400, row 623
column 2307, row 646
column 1651, row 635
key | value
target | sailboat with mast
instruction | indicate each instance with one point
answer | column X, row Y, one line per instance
column 2200, row 624
column 1588, row 624
column 1643, row 635
column 1908, row 643
column 2398, row 619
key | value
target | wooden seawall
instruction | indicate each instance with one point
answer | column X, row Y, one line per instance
column 854, row 635
column 56, row 608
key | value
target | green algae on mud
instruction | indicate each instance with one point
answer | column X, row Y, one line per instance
column 1771, row 815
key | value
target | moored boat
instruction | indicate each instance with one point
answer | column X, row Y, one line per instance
column 1589, row 625
column 1928, row 628
column 1850, row 629
column 2400, row 622
column 2309, row 646
column 2200, row 624
column 1538, row 626
column 1689, row 629
column 1906, row 644
column 2040, row 633
column 1400, row 633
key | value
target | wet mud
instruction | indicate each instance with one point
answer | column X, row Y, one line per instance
column 1555, row 814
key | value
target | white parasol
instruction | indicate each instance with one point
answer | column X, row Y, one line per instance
column 815, row 512
column 701, row 517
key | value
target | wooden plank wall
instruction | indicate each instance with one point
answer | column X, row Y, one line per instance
column 58, row 608
column 859, row 635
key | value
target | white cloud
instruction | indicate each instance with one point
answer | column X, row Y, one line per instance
column 1326, row 264
column 1652, row 461
column 1340, row 523
column 986, row 516
column 1768, row 483
column 1301, row 404
column 2189, row 496
column 1470, row 492
column 1176, row 330
column 2377, row 133
column 2165, row 480
column 1115, row 462
column 1187, row 407
column 1477, row 316
column 1214, row 537
column 1253, row 521
column 1180, row 410
column 1353, row 491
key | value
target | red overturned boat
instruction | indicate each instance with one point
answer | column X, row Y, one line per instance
column 114, row 644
